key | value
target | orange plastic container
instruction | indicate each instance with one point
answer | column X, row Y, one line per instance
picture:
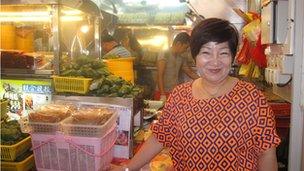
column 11, row 152
column 122, row 67
column 25, row 42
column 8, row 36
column 24, row 165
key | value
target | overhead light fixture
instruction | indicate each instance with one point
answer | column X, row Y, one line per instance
column 36, row 16
column 26, row 19
column 23, row 14
column 71, row 12
column 84, row 28
column 71, row 18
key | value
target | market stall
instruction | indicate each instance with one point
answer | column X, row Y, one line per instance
column 49, row 55
column 35, row 37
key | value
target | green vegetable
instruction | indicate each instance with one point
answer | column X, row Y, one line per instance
column 11, row 133
column 104, row 83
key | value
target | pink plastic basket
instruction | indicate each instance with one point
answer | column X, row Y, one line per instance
column 72, row 153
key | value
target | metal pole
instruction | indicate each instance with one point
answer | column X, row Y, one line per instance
column 56, row 37
column 296, row 149
column 97, row 36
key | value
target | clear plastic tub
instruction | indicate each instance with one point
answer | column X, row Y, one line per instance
column 46, row 128
column 68, row 128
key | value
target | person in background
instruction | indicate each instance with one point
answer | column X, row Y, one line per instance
column 112, row 48
column 191, row 63
column 129, row 41
column 144, row 77
column 215, row 122
column 169, row 65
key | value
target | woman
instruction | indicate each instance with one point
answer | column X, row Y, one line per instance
column 216, row 122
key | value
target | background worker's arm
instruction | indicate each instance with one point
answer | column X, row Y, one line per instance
column 161, row 65
column 187, row 70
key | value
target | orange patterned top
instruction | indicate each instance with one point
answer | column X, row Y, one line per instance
column 223, row 133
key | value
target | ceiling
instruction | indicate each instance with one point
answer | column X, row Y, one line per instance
column 147, row 12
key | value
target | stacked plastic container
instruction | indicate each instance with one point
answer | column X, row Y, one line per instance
column 73, row 147
column 14, row 157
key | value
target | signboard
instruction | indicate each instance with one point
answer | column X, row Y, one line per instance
column 25, row 95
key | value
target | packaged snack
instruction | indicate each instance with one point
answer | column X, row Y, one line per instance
column 51, row 113
column 91, row 116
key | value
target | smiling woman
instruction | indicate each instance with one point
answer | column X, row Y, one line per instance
column 215, row 122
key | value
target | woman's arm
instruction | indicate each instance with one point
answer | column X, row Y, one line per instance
column 146, row 153
column 268, row 160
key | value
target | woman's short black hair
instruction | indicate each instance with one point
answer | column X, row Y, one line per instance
column 181, row 37
column 214, row 30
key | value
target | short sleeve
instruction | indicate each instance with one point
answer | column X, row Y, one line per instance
column 164, row 128
column 161, row 56
column 265, row 130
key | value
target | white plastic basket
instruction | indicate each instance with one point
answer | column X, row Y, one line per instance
column 68, row 128
column 72, row 153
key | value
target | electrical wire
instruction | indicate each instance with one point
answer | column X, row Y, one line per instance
column 194, row 10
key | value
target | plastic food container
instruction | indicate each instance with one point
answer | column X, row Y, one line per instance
column 72, row 84
column 11, row 152
column 24, row 165
column 68, row 128
column 73, row 153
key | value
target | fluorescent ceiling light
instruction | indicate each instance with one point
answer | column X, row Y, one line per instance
column 71, row 18
column 36, row 16
column 23, row 14
column 71, row 12
column 26, row 19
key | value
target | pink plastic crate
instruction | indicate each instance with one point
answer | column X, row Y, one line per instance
column 73, row 153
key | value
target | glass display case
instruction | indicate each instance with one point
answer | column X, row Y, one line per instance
column 36, row 35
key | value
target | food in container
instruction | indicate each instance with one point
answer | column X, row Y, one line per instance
column 51, row 113
column 91, row 116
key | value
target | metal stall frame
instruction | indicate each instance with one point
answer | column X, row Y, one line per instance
column 86, row 6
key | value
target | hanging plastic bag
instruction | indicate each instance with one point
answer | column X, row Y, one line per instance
column 243, row 57
column 246, row 69
column 256, row 72
column 258, row 54
column 252, row 30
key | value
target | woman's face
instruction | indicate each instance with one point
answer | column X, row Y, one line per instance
column 213, row 62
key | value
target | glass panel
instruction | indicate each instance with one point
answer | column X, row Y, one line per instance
column 77, row 32
column 27, row 35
